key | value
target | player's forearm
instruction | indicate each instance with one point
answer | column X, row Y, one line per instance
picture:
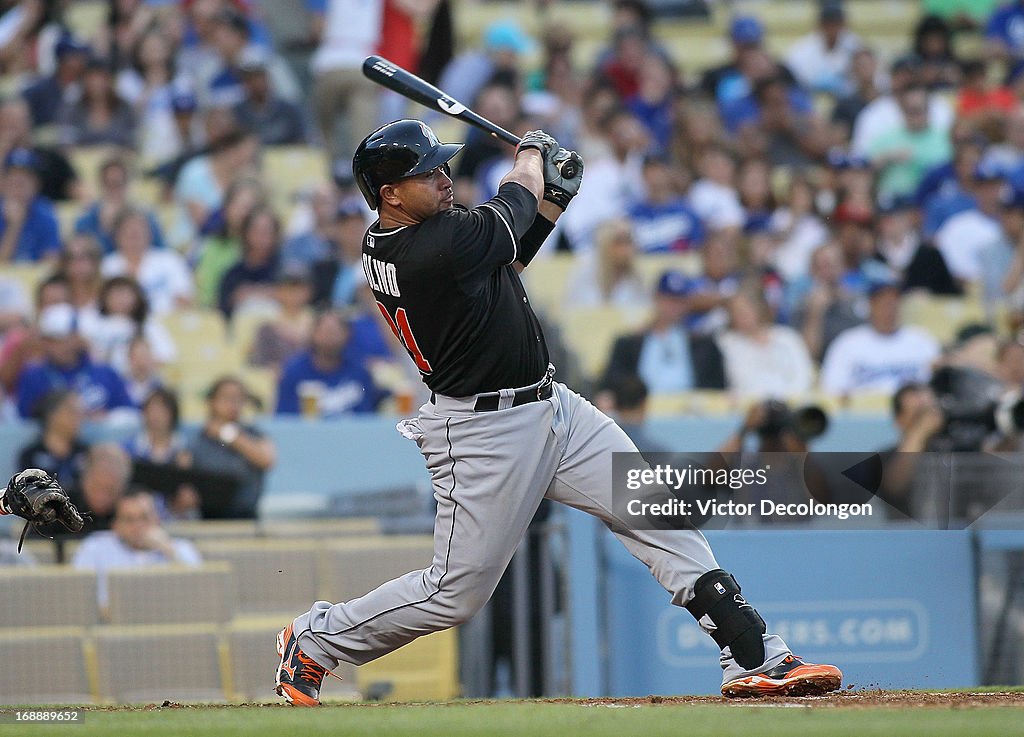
column 528, row 171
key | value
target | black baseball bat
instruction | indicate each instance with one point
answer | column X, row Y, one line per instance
column 395, row 78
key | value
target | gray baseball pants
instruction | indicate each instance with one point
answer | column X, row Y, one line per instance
column 490, row 471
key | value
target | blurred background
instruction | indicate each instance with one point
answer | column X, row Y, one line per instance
column 801, row 228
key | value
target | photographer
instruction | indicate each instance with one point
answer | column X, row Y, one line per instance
column 919, row 421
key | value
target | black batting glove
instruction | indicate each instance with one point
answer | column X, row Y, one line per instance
column 538, row 140
column 563, row 175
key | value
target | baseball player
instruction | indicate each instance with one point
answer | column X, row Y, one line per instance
column 498, row 432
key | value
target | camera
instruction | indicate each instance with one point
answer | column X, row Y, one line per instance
column 975, row 405
column 807, row 423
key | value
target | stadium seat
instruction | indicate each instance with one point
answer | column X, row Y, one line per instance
column 357, row 565
column 942, row 316
column 426, row 668
column 28, row 275
column 253, row 661
column 269, row 575
column 182, row 663
column 290, row 170
column 700, row 403
column 545, row 282
column 47, row 596
column 218, row 529
column 171, row 594
column 590, row 332
column 320, row 528
column 43, row 666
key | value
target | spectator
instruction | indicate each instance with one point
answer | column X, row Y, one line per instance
column 66, row 364
column 312, row 242
column 249, row 284
column 28, row 224
column 1010, row 364
column 948, row 190
column 796, row 231
column 965, row 15
column 662, row 219
column 762, row 360
column 778, row 121
column 326, row 380
column 557, row 93
column 735, row 79
column 881, row 355
column 1009, row 154
column 228, row 446
column 966, row 236
column 46, row 96
column 79, row 265
column 98, row 218
column 933, row 45
column 188, row 139
column 497, row 101
column 15, row 307
column 719, row 279
column 714, row 196
column 917, row 263
column 220, row 84
column 503, row 45
column 665, row 356
column 919, row 420
column 160, row 441
column 278, row 121
column 163, row 274
column 351, row 31
column 58, row 181
column 1003, row 32
column 337, row 279
column 1002, row 260
column 135, row 540
column 653, row 103
column 203, row 182
column 123, row 316
column 854, row 230
column 628, row 404
column 23, row 344
column 611, row 178
column 821, row 304
column 608, row 276
column 754, row 187
column 99, row 116
column 104, row 480
column 59, row 449
column 884, row 115
column 863, row 90
column 903, row 155
column 821, row 61
column 148, row 83
column 288, row 331
column 984, row 105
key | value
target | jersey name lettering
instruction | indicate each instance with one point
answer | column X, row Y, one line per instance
column 382, row 276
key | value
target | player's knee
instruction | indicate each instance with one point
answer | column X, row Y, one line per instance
column 733, row 622
column 462, row 598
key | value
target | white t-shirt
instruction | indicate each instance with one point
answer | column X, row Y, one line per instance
column 717, row 206
column 792, row 257
column 351, row 33
column 883, row 115
column 822, row 69
column 163, row 275
column 862, row 360
column 964, row 238
column 612, row 187
column 779, row 368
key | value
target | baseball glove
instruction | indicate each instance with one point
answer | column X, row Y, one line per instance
column 35, row 496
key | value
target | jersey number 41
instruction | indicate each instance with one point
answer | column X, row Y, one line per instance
column 400, row 327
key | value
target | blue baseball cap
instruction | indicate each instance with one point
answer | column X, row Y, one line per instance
column 21, row 158
column 746, row 30
column 840, row 159
column 68, row 44
column 675, row 284
column 506, row 35
column 1012, row 199
column 988, row 171
column 183, row 101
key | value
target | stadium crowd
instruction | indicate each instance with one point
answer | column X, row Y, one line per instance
column 807, row 195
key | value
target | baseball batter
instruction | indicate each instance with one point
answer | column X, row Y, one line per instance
column 499, row 433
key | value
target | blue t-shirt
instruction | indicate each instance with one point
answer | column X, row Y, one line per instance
column 98, row 385
column 745, row 110
column 671, row 226
column 348, row 389
column 1007, row 26
column 40, row 235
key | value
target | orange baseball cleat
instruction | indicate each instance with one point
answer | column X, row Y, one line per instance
column 791, row 677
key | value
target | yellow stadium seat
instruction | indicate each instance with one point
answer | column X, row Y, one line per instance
column 181, row 663
column 67, row 214
column 700, row 403
column 942, row 316
column 590, row 333
column 217, row 529
column 269, row 575
column 47, row 596
column 171, row 594
column 289, row 170
column 354, row 566
column 321, row 528
column 44, row 666
column 28, row 274
column 425, row 669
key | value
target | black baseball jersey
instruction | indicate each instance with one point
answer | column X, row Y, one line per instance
column 449, row 291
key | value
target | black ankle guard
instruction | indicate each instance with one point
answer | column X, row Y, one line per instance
column 737, row 624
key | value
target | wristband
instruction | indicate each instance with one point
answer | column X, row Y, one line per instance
column 557, row 196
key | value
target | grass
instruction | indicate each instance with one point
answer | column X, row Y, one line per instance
column 533, row 719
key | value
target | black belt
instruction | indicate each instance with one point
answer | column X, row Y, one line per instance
column 489, row 402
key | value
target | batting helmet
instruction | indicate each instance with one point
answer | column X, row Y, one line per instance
column 394, row 151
